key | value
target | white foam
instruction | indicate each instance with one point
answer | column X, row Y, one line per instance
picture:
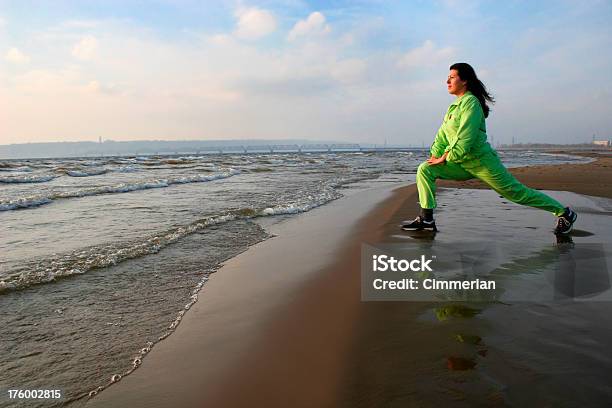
column 35, row 201
column 80, row 173
column 81, row 261
column 126, row 169
column 84, row 260
column 27, row 178
column 20, row 169
column 570, row 156
column 26, row 202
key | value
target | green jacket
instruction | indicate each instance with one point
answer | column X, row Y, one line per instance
column 463, row 133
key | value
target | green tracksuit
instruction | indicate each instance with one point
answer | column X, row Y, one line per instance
column 463, row 135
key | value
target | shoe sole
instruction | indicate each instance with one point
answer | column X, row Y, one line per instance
column 433, row 229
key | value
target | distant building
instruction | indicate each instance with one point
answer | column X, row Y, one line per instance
column 605, row 143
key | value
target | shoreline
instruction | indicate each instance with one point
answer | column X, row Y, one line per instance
column 245, row 308
column 308, row 343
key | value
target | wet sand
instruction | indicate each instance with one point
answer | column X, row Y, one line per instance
column 283, row 324
column 523, row 349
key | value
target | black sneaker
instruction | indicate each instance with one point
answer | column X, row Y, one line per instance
column 418, row 224
column 566, row 221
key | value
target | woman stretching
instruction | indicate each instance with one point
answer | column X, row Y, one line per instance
column 461, row 152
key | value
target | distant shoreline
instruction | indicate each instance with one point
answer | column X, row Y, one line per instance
column 93, row 150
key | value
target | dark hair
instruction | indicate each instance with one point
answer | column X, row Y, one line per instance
column 474, row 85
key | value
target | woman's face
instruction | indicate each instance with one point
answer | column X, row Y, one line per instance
column 456, row 86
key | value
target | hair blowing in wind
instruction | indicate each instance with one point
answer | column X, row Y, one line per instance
column 474, row 85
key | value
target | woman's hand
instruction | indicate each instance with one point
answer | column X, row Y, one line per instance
column 437, row 160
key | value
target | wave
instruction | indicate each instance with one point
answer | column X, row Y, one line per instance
column 126, row 169
column 95, row 171
column 26, row 202
column 180, row 160
column 27, row 178
column 36, row 201
column 260, row 170
column 570, row 156
column 87, row 173
column 19, row 169
column 82, row 261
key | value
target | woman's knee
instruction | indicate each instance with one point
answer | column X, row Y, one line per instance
column 424, row 168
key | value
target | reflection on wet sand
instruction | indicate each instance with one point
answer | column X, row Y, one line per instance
column 576, row 268
column 541, row 339
column 453, row 311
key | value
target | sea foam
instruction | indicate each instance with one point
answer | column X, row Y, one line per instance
column 36, row 201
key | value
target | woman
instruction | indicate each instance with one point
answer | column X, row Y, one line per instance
column 461, row 152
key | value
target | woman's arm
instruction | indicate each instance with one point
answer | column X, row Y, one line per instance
column 439, row 144
column 468, row 131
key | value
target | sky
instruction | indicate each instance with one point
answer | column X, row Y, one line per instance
column 355, row 71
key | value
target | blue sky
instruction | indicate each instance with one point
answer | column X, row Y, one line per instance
column 360, row 71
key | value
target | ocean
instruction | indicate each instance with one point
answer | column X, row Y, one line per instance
column 101, row 257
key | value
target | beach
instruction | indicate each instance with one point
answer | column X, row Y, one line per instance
column 283, row 323
column 219, row 204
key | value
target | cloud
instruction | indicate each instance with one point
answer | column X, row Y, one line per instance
column 42, row 81
column 143, row 86
column 2, row 22
column 16, row 57
column 81, row 24
column 95, row 87
column 288, row 88
column 358, row 82
column 313, row 25
column 254, row 23
column 348, row 70
column 86, row 48
column 425, row 56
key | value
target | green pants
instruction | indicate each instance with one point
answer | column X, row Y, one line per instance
column 491, row 171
